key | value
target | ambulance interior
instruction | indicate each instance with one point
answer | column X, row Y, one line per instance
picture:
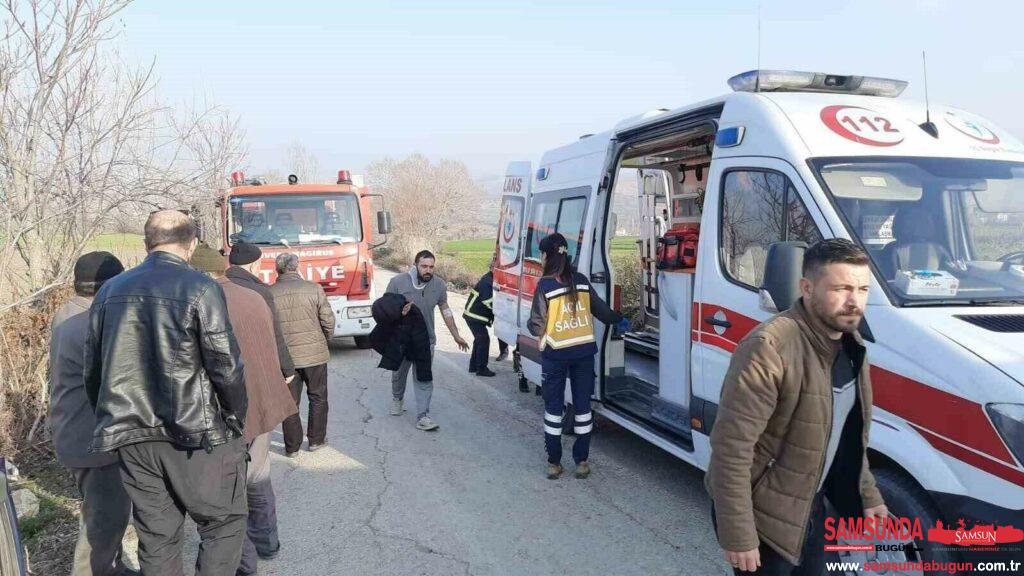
column 656, row 206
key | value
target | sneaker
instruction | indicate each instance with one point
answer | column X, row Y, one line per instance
column 426, row 424
column 472, row 369
column 269, row 555
column 554, row 471
column 396, row 407
column 502, row 356
column 315, row 447
column 485, row 372
column 582, row 470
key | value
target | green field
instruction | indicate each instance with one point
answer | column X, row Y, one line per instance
column 475, row 253
column 112, row 242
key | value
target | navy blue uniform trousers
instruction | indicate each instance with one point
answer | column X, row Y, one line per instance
column 580, row 372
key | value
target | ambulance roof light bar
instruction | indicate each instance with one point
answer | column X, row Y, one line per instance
column 794, row 81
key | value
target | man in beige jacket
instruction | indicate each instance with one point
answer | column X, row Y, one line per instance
column 307, row 323
column 792, row 426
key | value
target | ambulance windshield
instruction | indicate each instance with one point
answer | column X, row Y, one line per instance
column 292, row 219
column 940, row 231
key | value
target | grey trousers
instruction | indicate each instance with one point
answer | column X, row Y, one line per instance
column 424, row 390
column 164, row 482
column 261, row 531
column 106, row 511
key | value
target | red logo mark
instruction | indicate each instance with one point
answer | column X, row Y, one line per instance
column 971, row 129
column 861, row 125
column 978, row 535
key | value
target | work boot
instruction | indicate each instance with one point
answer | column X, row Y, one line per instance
column 554, row 471
column 582, row 470
column 486, row 372
column 426, row 424
column 502, row 356
column 396, row 407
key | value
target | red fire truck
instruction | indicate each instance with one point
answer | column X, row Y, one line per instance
column 328, row 226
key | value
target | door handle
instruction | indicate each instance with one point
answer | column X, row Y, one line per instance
column 599, row 277
column 716, row 322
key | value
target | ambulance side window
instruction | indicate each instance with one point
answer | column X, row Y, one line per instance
column 759, row 207
column 563, row 215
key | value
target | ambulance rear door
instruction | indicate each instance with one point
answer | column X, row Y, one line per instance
column 509, row 266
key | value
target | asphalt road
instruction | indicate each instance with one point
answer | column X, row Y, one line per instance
column 471, row 498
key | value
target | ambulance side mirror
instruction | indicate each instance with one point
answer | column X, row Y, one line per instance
column 384, row 222
column 782, row 273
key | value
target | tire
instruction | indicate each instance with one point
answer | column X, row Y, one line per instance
column 363, row 342
column 905, row 499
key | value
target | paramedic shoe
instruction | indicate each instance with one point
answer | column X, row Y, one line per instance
column 502, row 356
column 554, row 471
column 582, row 470
column 426, row 424
column 396, row 407
column 486, row 372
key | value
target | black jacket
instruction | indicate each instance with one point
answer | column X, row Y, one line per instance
column 479, row 307
column 161, row 361
column 243, row 278
column 399, row 338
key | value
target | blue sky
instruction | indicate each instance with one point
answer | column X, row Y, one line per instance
column 487, row 82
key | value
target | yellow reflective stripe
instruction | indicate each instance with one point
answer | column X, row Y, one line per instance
column 469, row 314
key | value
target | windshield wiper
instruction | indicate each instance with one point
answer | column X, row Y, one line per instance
column 997, row 301
column 968, row 302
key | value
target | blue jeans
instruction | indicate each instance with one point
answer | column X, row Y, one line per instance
column 580, row 372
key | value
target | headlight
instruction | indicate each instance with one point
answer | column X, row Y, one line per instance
column 360, row 312
column 1009, row 421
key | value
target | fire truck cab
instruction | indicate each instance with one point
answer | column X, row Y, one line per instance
column 327, row 226
column 725, row 193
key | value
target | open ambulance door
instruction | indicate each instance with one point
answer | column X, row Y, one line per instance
column 509, row 266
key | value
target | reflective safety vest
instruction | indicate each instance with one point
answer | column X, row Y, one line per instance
column 568, row 324
column 480, row 306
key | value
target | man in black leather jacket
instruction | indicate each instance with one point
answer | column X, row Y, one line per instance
column 164, row 374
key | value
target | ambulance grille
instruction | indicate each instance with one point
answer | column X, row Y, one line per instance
column 996, row 322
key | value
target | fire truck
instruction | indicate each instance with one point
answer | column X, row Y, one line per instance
column 328, row 226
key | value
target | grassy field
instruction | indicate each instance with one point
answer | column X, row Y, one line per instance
column 475, row 253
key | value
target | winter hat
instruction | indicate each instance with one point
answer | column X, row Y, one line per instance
column 242, row 254
column 93, row 269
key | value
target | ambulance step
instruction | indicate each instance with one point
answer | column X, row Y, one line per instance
column 675, row 417
column 642, row 342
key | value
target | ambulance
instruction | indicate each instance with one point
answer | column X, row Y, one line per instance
column 726, row 193
column 328, row 226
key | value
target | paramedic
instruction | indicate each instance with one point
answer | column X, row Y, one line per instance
column 561, row 319
column 792, row 425
column 479, row 314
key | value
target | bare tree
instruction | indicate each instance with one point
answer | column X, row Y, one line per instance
column 84, row 143
column 430, row 203
column 303, row 163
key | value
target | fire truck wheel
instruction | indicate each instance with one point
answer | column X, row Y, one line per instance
column 906, row 499
column 363, row 342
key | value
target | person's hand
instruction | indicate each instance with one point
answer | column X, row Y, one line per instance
column 748, row 561
column 880, row 513
column 289, row 379
column 623, row 326
column 462, row 343
column 406, row 308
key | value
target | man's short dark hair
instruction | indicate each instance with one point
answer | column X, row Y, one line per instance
column 169, row 227
column 423, row 254
column 832, row 251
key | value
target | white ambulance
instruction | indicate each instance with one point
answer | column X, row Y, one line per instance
column 936, row 198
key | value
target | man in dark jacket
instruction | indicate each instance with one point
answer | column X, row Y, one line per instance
column 479, row 315
column 164, row 374
column 106, row 508
column 245, row 265
column 307, row 323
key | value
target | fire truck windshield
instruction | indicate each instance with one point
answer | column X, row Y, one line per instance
column 293, row 219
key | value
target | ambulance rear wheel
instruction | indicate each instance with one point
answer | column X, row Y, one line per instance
column 363, row 342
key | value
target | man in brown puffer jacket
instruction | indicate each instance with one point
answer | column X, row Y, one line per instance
column 307, row 323
column 792, row 425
